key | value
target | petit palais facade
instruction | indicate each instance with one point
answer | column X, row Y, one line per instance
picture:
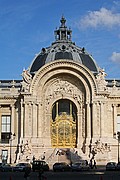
column 63, row 109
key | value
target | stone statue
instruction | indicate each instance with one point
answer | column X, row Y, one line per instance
column 27, row 78
column 100, row 78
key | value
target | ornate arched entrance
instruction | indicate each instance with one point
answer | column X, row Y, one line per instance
column 64, row 124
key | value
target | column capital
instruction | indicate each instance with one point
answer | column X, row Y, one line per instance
column 114, row 105
column 12, row 105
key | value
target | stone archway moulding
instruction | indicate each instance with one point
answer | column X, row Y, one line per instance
column 61, row 66
column 64, row 87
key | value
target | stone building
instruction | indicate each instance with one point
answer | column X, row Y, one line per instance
column 64, row 107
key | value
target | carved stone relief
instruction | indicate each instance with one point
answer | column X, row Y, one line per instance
column 26, row 151
column 101, row 147
column 26, row 148
column 64, row 87
column 98, row 148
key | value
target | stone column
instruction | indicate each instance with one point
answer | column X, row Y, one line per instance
column 47, row 130
column 57, row 109
column 22, row 118
column 114, row 119
column 12, row 118
column 16, row 124
column 94, row 121
column 102, row 118
column 79, row 115
column 39, row 120
column 34, row 124
column 88, row 120
column 30, row 119
column 70, row 108
column 26, row 120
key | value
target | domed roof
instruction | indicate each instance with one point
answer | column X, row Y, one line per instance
column 63, row 48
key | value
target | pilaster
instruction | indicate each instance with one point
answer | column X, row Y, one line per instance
column 102, row 119
column 88, row 120
column 80, row 129
column 94, row 121
column 114, row 119
column 22, row 118
column 12, row 118
column 27, row 120
column 39, row 120
column 34, row 119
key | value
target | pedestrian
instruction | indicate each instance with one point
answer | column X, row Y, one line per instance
column 33, row 158
column 86, row 162
column 90, row 164
column 94, row 164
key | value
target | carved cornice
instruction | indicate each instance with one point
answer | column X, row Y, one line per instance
column 25, row 93
column 105, row 94
column 114, row 97
column 8, row 97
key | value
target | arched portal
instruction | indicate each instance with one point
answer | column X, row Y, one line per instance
column 64, row 124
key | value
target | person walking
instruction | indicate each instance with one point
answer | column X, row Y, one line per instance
column 91, row 164
column 94, row 164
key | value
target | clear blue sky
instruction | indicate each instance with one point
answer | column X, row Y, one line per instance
column 26, row 26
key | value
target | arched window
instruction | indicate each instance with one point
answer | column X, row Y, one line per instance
column 64, row 124
column 64, row 105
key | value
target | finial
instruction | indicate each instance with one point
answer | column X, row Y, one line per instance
column 63, row 20
column 114, row 83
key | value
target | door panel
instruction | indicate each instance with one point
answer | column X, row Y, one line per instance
column 63, row 131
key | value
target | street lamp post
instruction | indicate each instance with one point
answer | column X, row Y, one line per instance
column 118, row 139
column 12, row 137
column 118, row 136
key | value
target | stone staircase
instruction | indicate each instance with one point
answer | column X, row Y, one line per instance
column 64, row 155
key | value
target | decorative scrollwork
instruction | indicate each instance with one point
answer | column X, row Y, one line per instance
column 101, row 147
column 61, row 87
column 63, row 131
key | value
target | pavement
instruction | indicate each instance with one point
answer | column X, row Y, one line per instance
column 99, row 168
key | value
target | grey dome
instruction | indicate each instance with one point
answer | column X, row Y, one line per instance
column 63, row 48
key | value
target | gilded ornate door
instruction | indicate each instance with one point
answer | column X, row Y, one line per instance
column 63, row 131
